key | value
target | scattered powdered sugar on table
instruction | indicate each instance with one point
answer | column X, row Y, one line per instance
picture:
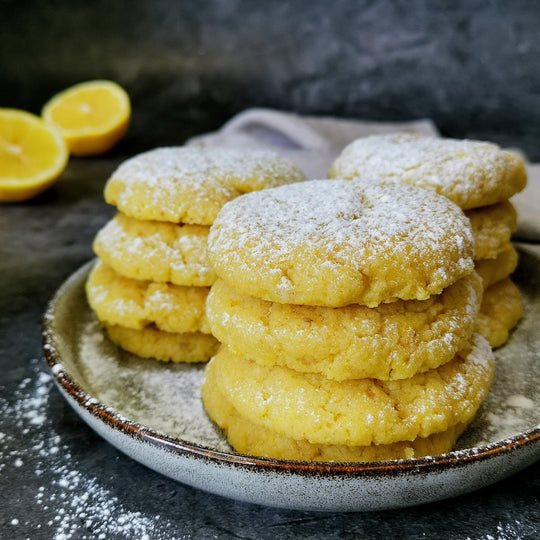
column 69, row 504
column 510, row 530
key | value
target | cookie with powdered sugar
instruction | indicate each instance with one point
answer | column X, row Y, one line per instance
column 470, row 173
column 253, row 439
column 190, row 185
column 391, row 341
column 493, row 270
column 117, row 300
column 492, row 228
column 188, row 347
column 156, row 251
column 501, row 310
column 334, row 243
column 357, row 412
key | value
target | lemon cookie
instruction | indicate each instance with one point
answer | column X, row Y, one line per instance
column 165, row 346
column 253, row 439
column 493, row 270
column 390, row 341
column 470, row 173
column 334, row 243
column 500, row 312
column 362, row 411
column 190, row 185
column 492, row 228
column 156, row 251
column 117, row 300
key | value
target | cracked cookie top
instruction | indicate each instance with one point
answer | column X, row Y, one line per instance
column 334, row 243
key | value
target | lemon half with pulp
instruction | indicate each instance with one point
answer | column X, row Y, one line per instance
column 91, row 116
column 32, row 155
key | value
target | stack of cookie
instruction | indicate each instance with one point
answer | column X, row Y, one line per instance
column 480, row 178
column 150, row 284
column 346, row 312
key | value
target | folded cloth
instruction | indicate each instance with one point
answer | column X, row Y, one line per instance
column 310, row 143
column 527, row 204
column 313, row 143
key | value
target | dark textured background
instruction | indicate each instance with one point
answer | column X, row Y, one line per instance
column 471, row 66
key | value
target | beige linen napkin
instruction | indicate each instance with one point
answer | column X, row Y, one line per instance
column 313, row 143
column 528, row 206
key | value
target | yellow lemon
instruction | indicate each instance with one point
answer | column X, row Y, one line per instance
column 92, row 116
column 32, row 155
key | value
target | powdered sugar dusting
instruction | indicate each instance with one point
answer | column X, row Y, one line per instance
column 228, row 166
column 137, row 304
column 165, row 397
column 513, row 404
column 190, row 185
column 70, row 504
column 520, row 402
column 150, row 250
column 480, row 354
column 507, row 419
column 399, row 236
column 306, row 211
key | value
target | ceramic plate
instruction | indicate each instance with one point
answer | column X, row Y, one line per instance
column 152, row 412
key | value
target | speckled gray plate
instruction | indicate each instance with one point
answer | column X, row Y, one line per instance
column 152, row 412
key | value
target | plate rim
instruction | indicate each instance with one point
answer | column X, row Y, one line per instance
column 147, row 435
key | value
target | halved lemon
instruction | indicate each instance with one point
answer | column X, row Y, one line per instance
column 92, row 116
column 32, row 155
